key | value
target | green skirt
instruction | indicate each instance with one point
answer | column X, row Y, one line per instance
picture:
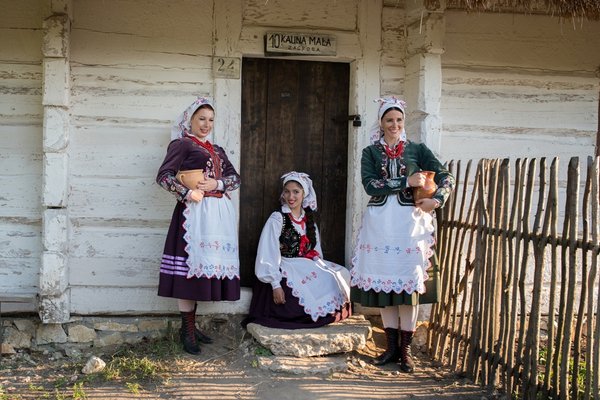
column 371, row 298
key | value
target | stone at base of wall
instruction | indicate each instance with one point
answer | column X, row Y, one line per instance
column 28, row 332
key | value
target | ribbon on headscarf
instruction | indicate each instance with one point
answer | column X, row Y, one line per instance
column 310, row 196
column 182, row 125
column 385, row 103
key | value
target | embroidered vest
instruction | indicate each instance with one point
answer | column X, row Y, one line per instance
column 289, row 240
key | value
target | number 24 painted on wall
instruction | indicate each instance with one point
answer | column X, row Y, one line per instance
column 226, row 67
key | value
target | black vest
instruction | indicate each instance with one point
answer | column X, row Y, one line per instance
column 289, row 240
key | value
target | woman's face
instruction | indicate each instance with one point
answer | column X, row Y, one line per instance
column 202, row 122
column 293, row 194
column 392, row 124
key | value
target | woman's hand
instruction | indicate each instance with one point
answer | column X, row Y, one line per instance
column 427, row 205
column 278, row 296
column 416, row 180
column 195, row 195
column 208, row 185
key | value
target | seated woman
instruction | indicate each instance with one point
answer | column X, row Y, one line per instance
column 296, row 288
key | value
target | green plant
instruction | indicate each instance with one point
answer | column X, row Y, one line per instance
column 581, row 371
column 78, row 392
column 61, row 382
column 130, row 366
column 543, row 362
column 58, row 395
column 133, row 387
column 35, row 388
column 6, row 396
column 262, row 351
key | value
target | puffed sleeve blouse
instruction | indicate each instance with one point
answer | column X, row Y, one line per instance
column 268, row 257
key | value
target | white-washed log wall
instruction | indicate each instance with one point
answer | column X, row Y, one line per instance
column 393, row 49
column 20, row 145
column 134, row 68
column 519, row 86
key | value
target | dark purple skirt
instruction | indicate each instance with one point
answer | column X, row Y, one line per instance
column 173, row 281
column 291, row 315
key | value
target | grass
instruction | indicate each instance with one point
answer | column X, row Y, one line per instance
column 133, row 387
column 141, row 364
column 134, row 366
column 78, row 391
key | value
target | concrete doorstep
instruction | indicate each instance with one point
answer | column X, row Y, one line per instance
column 311, row 351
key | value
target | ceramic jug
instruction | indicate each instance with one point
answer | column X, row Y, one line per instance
column 428, row 189
column 191, row 177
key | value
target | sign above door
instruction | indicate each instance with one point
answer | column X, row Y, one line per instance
column 294, row 43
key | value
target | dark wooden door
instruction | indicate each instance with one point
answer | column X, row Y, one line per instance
column 294, row 118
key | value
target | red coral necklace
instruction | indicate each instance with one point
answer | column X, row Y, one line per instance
column 396, row 152
column 301, row 221
column 206, row 144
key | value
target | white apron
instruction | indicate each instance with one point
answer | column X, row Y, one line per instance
column 321, row 287
column 212, row 240
column 393, row 249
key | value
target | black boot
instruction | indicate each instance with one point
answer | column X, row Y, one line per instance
column 187, row 333
column 200, row 337
column 406, row 362
column 392, row 352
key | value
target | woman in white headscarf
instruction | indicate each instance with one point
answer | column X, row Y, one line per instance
column 200, row 261
column 393, row 266
column 296, row 288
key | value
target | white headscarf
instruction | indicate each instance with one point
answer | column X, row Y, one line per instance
column 310, row 197
column 385, row 103
column 182, row 125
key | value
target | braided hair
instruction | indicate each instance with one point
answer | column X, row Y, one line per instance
column 311, row 227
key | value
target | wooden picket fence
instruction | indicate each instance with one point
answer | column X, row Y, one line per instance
column 519, row 258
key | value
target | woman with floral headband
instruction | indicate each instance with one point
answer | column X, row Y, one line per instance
column 200, row 261
column 393, row 267
column 296, row 288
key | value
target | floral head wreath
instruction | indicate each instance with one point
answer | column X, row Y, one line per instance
column 385, row 103
column 310, row 196
column 182, row 125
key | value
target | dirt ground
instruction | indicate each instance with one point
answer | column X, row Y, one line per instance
column 226, row 369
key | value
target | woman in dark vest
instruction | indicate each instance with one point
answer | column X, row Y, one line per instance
column 393, row 267
column 200, row 261
column 296, row 287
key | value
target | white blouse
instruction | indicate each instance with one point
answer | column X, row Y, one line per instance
column 268, row 257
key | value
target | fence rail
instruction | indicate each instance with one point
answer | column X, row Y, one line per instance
column 519, row 256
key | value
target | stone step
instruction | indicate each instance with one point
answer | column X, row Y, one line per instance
column 340, row 337
column 304, row 365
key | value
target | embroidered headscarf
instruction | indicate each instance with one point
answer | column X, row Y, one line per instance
column 182, row 125
column 310, row 196
column 385, row 103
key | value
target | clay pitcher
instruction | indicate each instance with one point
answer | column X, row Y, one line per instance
column 428, row 189
column 190, row 178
